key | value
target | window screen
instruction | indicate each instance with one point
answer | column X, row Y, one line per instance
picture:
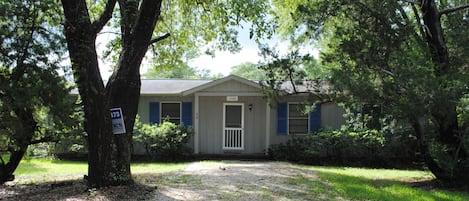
column 171, row 112
column 233, row 117
column 297, row 119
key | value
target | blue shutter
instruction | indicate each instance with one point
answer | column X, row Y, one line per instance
column 282, row 118
column 154, row 112
column 187, row 113
column 315, row 119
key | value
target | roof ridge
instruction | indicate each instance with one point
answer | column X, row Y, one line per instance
column 175, row 79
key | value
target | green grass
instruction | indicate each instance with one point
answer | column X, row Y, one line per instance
column 40, row 167
column 334, row 183
column 377, row 184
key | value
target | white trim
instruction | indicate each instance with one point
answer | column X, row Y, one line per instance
column 180, row 109
column 267, row 128
column 224, row 126
column 230, row 94
column 219, row 81
column 196, row 124
column 288, row 119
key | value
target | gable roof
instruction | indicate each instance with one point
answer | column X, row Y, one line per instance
column 186, row 87
column 220, row 81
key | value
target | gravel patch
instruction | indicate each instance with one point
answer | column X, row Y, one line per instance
column 225, row 180
column 237, row 180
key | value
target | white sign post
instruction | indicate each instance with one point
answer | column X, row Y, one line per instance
column 118, row 126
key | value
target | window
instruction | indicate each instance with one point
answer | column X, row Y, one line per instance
column 297, row 119
column 171, row 112
column 291, row 119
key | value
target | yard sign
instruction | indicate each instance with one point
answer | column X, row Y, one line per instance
column 118, row 126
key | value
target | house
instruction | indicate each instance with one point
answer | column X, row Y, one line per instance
column 230, row 115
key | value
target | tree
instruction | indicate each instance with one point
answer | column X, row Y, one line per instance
column 183, row 71
column 249, row 71
column 408, row 56
column 35, row 105
column 109, row 155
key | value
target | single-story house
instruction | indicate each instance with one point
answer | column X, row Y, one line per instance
column 231, row 115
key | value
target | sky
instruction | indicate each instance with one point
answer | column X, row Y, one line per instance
column 222, row 62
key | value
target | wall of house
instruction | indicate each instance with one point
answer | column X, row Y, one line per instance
column 211, row 118
column 144, row 113
column 331, row 117
column 232, row 86
column 211, row 125
column 144, row 104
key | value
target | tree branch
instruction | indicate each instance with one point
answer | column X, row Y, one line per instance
column 105, row 16
column 159, row 38
column 452, row 10
column 44, row 139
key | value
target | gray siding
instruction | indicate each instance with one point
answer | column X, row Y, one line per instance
column 210, row 115
column 211, row 125
column 144, row 104
column 331, row 117
column 144, row 113
column 232, row 86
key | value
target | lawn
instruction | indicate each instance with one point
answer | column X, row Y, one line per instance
column 326, row 183
column 34, row 167
column 380, row 184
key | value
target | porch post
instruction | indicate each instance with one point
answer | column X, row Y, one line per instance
column 196, row 124
column 267, row 128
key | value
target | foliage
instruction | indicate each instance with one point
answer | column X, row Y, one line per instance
column 165, row 141
column 188, row 29
column 248, row 71
column 183, row 71
column 349, row 146
column 407, row 57
column 35, row 104
column 172, row 29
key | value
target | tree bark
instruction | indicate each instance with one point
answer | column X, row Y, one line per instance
column 81, row 38
column 109, row 155
column 123, row 87
column 17, row 153
column 444, row 109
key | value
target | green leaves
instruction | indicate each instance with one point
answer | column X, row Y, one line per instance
column 31, row 51
column 163, row 141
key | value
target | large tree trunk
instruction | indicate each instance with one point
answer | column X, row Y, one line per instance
column 81, row 46
column 124, row 85
column 109, row 155
column 444, row 109
column 17, row 153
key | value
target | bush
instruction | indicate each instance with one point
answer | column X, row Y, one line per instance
column 165, row 141
column 352, row 147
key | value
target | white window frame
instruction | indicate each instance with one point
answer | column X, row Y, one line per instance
column 161, row 110
column 288, row 119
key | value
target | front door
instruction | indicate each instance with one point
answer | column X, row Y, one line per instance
column 233, row 126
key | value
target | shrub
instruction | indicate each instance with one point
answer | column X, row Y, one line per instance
column 353, row 147
column 165, row 141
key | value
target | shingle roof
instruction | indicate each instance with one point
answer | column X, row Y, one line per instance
column 169, row 86
column 185, row 86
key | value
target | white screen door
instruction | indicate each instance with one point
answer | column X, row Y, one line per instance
column 233, row 126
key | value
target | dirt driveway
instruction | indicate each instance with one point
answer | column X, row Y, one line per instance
column 225, row 180
column 237, row 180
